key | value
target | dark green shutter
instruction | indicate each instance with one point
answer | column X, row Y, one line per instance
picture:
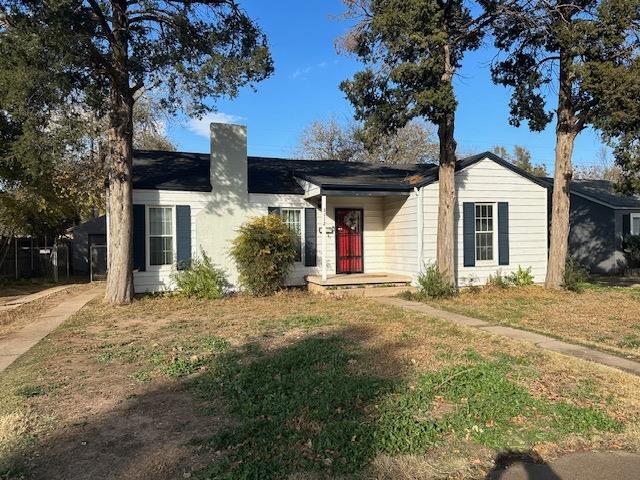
column 469, row 233
column 183, row 236
column 310, row 243
column 626, row 224
column 503, row 233
column 139, row 238
column 274, row 210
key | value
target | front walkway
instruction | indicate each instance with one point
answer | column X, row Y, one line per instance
column 17, row 343
column 542, row 341
column 15, row 301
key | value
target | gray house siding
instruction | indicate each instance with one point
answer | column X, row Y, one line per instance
column 619, row 234
column 593, row 238
column 93, row 229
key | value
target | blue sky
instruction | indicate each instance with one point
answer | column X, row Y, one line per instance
column 304, row 88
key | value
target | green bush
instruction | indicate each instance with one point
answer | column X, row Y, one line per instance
column 202, row 280
column 433, row 284
column 498, row 280
column 631, row 248
column 575, row 276
column 264, row 252
column 520, row 277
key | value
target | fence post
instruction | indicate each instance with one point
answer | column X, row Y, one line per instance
column 15, row 248
column 31, row 251
column 54, row 259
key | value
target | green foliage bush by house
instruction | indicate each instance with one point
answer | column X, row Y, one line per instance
column 519, row 278
column 433, row 284
column 264, row 252
column 202, row 280
column 575, row 276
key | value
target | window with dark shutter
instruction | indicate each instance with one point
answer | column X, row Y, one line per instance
column 183, row 236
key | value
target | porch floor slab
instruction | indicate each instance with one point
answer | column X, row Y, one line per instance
column 358, row 279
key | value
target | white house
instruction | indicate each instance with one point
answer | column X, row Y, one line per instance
column 352, row 217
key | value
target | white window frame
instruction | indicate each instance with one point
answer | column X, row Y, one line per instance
column 494, row 232
column 632, row 217
column 148, row 237
column 301, row 210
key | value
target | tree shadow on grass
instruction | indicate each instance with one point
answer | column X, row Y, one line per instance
column 305, row 405
column 529, row 465
column 301, row 408
column 252, row 413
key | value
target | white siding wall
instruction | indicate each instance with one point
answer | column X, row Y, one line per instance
column 374, row 252
column 158, row 278
column 486, row 181
column 390, row 228
column 401, row 236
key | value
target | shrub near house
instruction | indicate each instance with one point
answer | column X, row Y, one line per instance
column 264, row 252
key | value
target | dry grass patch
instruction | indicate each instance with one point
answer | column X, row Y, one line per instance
column 16, row 318
column 604, row 317
column 296, row 385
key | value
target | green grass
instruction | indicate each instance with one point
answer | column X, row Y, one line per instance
column 306, row 321
column 305, row 409
column 629, row 341
column 190, row 356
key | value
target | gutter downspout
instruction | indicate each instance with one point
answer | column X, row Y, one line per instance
column 419, row 191
column 323, row 203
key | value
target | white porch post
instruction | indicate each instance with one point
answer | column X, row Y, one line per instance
column 420, row 228
column 323, row 203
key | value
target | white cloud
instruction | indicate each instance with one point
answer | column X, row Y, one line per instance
column 304, row 71
column 200, row 126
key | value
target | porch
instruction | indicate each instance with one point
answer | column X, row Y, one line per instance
column 376, row 284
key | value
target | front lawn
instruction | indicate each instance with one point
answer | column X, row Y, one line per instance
column 601, row 316
column 295, row 386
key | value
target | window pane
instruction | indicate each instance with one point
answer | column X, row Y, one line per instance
column 160, row 236
column 292, row 218
column 160, row 250
column 160, row 221
column 635, row 226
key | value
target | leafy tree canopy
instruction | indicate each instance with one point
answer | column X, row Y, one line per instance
column 410, row 47
column 588, row 50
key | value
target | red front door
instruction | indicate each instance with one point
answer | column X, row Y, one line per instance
column 349, row 240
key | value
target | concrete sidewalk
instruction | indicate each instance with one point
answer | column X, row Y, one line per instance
column 23, row 299
column 17, row 343
column 542, row 341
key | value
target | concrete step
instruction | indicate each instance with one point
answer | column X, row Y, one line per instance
column 379, row 290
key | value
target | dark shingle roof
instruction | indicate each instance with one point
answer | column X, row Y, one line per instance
column 190, row 172
column 277, row 175
column 601, row 191
column 160, row 170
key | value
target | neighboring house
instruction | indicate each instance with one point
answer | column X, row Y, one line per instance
column 600, row 218
column 92, row 233
column 351, row 217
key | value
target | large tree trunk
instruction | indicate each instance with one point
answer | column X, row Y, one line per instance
column 446, row 197
column 120, row 208
column 446, row 176
column 567, row 128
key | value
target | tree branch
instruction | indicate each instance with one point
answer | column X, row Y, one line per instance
column 97, row 11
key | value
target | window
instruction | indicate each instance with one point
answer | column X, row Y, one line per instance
column 293, row 219
column 484, row 232
column 635, row 224
column 160, row 235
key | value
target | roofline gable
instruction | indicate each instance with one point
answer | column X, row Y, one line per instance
column 472, row 160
